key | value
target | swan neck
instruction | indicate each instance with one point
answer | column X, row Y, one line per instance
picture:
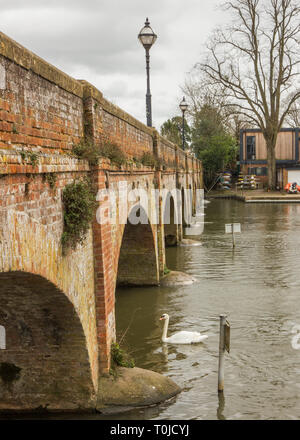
column 165, row 330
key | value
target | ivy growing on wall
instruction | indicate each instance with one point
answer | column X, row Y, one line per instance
column 79, row 204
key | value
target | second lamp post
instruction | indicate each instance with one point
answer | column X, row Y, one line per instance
column 183, row 106
column 147, row 37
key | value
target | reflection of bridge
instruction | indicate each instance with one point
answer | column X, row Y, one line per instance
column 58, row 310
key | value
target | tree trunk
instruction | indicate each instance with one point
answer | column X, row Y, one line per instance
column 271, row 159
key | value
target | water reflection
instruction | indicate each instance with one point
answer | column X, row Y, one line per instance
column 257, row 286
column 221, row 407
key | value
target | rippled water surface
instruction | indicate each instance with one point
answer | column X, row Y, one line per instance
column 258, row 286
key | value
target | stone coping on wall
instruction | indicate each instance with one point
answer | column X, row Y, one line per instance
column 12, row 162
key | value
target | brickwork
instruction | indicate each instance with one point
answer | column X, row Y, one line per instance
column 46, row 349
column 43, row 113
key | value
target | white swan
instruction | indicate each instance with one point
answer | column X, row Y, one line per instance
column 182, row 337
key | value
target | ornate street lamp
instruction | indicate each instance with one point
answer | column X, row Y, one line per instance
column 183, row 106
column 147, row 38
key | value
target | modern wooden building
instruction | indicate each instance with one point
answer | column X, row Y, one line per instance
column 253, row 155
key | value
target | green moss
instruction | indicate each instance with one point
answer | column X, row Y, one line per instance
column 120, row 358
column 14, row 129
column 79, row 208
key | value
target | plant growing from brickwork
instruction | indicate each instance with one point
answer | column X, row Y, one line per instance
column 166, row 270
column 86, row 149
column 79, row 204
column 149, row 160
column 30, row 156
column 113, row 152
column 137, row 162
column 119, row 357
column 51, row 179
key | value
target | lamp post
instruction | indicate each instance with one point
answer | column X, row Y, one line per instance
column 147, row 38
column 183, row 106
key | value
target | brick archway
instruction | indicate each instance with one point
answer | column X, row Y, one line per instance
column 171, row 219
column 46, row 362
column 138, row 261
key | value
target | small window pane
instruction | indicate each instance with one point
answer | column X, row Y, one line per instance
column 250, row 146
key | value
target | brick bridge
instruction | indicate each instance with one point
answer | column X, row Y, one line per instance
column 56, row 310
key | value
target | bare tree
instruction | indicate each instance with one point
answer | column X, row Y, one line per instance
column 293, row 116
column 256, row 60
column 202, row 93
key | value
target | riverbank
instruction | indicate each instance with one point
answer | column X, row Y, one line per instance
column 255, row 196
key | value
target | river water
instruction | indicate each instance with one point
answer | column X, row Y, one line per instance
column 258, row 286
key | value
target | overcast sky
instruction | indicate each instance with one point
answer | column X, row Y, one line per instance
column 96, row 40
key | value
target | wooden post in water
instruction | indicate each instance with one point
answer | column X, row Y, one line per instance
column 221, row 354
column 233, row 240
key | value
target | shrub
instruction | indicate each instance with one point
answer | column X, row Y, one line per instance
column 79, row 208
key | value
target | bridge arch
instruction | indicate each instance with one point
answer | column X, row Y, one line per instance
column 138, row 256
column 171, row 218
column 46, row 361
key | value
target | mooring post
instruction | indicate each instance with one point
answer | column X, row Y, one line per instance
column 233, row 240
column 221, row 354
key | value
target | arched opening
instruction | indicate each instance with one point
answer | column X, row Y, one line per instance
column 138, row 263
column 170, row 222
column 186, row 206
column 45, row 363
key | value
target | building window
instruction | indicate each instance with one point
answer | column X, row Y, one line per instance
column 251, row 151
column 263, row 171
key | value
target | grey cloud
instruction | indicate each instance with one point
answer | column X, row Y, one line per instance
column 97, row 40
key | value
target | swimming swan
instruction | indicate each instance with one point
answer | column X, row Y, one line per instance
column 182, row 337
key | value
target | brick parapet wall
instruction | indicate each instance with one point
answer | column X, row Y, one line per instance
column 44, row 109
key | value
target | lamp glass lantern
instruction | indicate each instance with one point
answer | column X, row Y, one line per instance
column 146, row 36
column 183, row 106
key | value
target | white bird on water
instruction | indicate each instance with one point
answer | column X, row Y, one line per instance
column 182, row 337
